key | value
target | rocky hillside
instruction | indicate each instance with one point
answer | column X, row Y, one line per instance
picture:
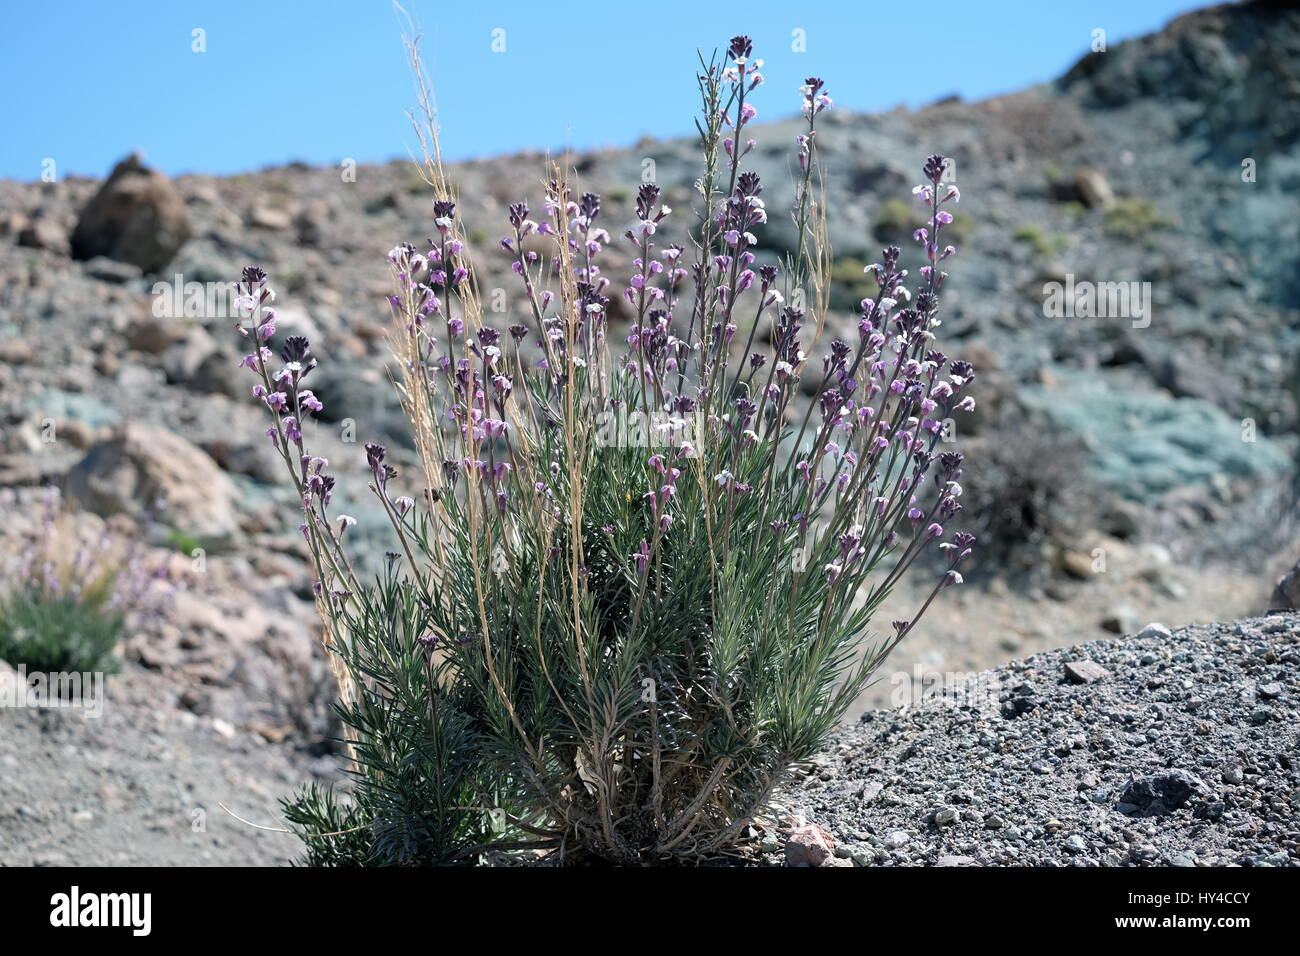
column 1127, row 468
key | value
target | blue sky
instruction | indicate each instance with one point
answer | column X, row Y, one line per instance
column 87, row 81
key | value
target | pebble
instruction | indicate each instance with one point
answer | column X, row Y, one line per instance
column 1085, row 672
column 895, row 839
column 1154, row 630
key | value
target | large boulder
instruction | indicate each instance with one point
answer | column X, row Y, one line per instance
column 137, row 217
column 144, row 470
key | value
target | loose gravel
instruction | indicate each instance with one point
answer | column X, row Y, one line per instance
column 1159, row 749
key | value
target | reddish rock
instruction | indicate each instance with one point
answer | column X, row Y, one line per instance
column 810, row 845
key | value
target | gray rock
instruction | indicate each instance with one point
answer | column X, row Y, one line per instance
column 895, row 839
column 1261, row 715
column 1286, row 596
column 860, row 853
column 1162, row 793
column 1154, row 631
column 142, row 470
column 198, row 362
column 110, row 270
column 1085, row 672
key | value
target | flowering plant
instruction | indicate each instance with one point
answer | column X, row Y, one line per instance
column 633, row 582
column 65, row 598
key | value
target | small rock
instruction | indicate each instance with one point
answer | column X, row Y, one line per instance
column 1085, row 672
column 946, row 816
column 16, row 352
column 1077, row 564
column 895, row 839
column 110, row 270
column 1154, row 630
column 1075, row 844
column 956, row 861
column 859, row 853
column 1162, row 793
column 265, row 217
column 1271, row 691
column 1094, row 189
column 810, row 845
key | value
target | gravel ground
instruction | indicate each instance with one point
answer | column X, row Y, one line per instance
column 1151, row 750
column 1157, row 749
column 141, row 785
